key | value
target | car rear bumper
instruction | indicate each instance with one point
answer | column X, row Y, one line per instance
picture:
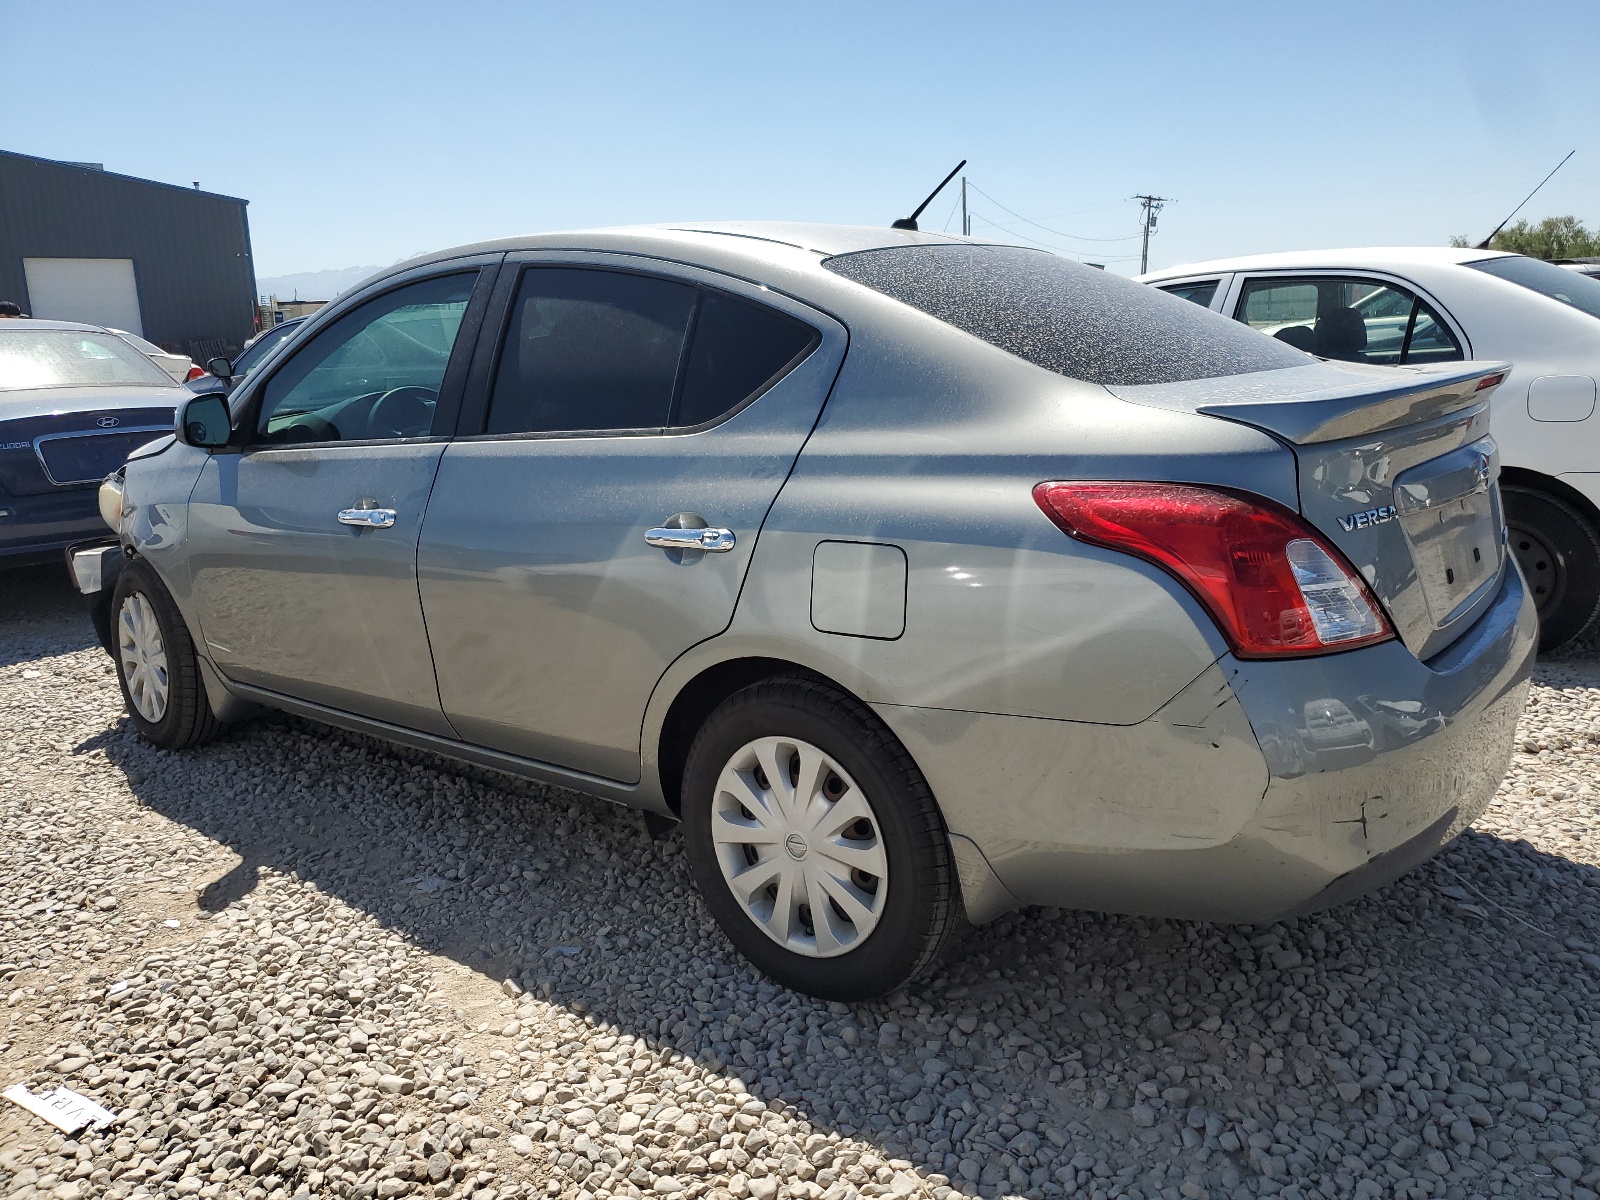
column 37, row 528
column 1262, row 790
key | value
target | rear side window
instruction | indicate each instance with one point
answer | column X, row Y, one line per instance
column 596, row 350
column 590, row 350
column 1352, row 320
column 1065, row 317
column 738, row 349
column 1196, row 293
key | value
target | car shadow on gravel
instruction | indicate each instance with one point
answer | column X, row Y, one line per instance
column 1458, row 1006
column 42, row 613
column 1404, row 1009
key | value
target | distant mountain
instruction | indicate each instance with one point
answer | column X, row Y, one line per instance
column 313, row 285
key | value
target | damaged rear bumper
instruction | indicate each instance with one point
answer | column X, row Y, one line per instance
column 1264, row 789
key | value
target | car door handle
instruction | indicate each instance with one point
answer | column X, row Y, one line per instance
column 713, row 540
column 367, row 518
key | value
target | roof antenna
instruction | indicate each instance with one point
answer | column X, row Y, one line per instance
column 911, row 221
column 1484, row 245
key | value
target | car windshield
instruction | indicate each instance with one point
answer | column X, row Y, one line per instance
column 1580, row 291
column 31, row 357
column 1065, row 317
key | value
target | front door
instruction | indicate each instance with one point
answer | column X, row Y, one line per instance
column 303, row 546
column 621, row 402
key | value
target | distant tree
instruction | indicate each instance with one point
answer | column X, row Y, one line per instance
column 1553, row 237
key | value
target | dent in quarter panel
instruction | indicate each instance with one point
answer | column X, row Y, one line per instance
column 1189, row 777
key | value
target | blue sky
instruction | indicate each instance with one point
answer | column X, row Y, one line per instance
column 365, row 132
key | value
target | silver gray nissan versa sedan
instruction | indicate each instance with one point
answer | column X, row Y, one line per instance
column 921, row 578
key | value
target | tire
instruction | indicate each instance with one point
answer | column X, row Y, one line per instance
column 893, row 898
column 156, row 663
column 1559, row 552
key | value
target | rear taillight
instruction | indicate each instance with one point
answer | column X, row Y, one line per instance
column 195, row 372
column 1272, row 584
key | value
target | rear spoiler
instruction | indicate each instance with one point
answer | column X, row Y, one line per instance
column 1328, row 401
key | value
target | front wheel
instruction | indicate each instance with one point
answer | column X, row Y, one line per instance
column 816, row 842
column 1559, row 553
column 156, row 663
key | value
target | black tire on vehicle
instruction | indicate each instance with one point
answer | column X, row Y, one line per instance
column 140, row 606
column 852, row 753
column 1559, row 552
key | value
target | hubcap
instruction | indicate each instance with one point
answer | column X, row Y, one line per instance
column 1541, row 567
column 799, row 846
column 143, row 655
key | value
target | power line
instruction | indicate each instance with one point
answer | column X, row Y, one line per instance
column 1077, row 237
column 1032, row 241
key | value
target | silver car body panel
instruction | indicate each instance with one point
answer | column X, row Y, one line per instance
column 1085, row 729
column 292, row 600
column 545, row 535
column 1229, row 804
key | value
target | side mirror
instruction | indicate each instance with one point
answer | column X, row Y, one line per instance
column 220, row 367
column 205, row 422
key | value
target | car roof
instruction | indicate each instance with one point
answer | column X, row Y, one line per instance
column 1363, row 257
column 43, row 323
column 715, row 244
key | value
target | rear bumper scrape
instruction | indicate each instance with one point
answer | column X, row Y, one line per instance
column 1262, row 790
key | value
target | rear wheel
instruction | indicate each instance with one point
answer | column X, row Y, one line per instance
column 156, row 663
column 1559, row 553
column 816, row 842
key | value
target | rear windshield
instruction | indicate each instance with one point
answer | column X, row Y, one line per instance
column 1570, row 287
column 1074, row 320
column 31, row 357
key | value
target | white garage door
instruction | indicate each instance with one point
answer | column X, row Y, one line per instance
column 100, row 291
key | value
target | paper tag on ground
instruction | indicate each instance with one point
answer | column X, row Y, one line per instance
column 66, row 1110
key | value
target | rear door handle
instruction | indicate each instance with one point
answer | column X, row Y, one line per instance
column 367, row 518
column 713, row 540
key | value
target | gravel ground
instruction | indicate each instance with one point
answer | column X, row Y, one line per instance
column 299, row 962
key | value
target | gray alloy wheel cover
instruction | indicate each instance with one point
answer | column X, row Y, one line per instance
column 799, row 845
column 142, row 652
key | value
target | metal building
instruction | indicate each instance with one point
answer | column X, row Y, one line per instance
column 169, row 263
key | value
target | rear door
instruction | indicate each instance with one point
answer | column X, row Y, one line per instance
column 621, row 397
column 1350, row 317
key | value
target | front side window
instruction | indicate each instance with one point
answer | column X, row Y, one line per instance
column 1352, row 320
column 255, row 353
column 1201, row 293
column 1063, row 316
column 31, row 357
column 375, row 373
column 594, row 350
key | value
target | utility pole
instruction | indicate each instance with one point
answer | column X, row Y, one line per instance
column 1147, row 219
column 966, row 221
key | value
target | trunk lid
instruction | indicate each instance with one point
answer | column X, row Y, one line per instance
column 43, row 452
column 1395, row 466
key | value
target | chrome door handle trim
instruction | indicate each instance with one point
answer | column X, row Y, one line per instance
column 367, row 518
column 713, row 540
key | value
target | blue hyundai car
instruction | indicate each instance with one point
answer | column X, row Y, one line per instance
column 74, row 400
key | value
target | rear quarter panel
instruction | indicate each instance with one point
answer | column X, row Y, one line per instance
column 933, row 441
column 1539, row 337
